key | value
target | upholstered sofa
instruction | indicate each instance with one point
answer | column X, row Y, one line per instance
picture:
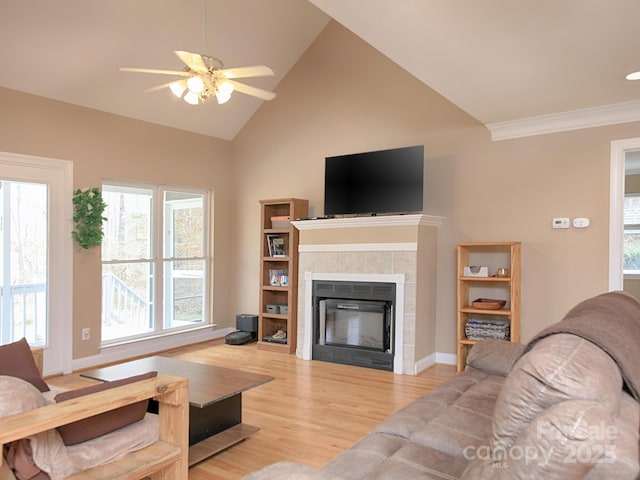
column 98, row 432
column 564, row 406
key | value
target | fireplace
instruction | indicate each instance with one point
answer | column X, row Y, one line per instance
column 353, row 323
column 397, row 249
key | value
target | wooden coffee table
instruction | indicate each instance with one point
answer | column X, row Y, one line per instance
column 215, row 399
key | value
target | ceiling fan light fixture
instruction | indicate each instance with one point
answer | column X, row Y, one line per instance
column 204, row 76
column 191, row 98
column 195, row 84
column 223, row 97
column 178, row 88
column 633, row 76
column 225, row 88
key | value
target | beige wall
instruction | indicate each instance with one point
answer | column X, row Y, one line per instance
column 102, row 146
column 343, row 96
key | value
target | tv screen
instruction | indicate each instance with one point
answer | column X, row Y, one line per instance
column 385, row 181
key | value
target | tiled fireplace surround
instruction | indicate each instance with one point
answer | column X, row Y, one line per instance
column 399, row 249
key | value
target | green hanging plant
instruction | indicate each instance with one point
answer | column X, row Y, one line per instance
column 88, row 208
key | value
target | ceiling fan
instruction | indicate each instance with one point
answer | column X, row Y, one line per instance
column 205, row 76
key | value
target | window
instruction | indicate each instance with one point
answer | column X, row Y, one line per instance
column 23, row 262
column 154, row 260
column 631, row 240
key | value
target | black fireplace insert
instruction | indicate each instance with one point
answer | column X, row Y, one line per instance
column 353, row 323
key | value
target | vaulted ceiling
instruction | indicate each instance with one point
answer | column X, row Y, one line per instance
column 503, row 62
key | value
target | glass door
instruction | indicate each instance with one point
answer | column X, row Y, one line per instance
column 24, row 262
column 36, row 259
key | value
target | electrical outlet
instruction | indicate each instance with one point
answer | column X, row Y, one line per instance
column 86, row 333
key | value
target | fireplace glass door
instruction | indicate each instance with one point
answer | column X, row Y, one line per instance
column 351, row 323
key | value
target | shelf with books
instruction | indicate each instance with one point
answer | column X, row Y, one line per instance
column 277, row 320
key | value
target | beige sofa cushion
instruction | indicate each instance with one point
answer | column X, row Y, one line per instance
column 494, row 356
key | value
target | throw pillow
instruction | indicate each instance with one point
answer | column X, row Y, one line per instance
column 92, row 427
column 18, row 396
column 16, row 360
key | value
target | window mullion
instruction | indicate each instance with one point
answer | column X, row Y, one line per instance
column 157, row 255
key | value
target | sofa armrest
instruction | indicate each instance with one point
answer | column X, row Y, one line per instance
column 170, row 392
column 494, row 356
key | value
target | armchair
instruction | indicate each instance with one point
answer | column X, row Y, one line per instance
column 165, row 458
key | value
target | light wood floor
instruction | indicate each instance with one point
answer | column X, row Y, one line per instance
column 310, row 413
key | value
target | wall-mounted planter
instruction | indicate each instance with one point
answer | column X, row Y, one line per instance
column 88, row 208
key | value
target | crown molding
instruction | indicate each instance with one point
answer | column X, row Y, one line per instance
column 565, row 121
column 373, row 221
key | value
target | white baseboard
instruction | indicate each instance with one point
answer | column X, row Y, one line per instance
column 117, row 353
column 447, row 358
column 430, row 360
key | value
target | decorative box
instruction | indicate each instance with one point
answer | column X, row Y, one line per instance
column 272, row 308
column 476, row 271
column 280, row 221
column 284, row 309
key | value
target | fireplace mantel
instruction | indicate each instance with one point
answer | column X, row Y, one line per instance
column 370, row 221
column 400, row 248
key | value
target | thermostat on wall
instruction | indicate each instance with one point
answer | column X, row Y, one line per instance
column 560, row 222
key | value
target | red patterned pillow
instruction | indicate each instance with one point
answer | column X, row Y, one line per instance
column 92, row 427
column 16, row 360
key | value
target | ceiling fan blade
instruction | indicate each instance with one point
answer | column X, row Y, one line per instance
column 153, row 70
column 182, row 83
column 253, row 91
column 193, row 61
column 243, row 72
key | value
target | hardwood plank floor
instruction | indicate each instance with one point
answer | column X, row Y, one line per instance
column 310, row 413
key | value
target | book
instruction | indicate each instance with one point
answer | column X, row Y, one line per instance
column 276, row 246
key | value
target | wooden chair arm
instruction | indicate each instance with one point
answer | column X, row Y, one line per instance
column 38, row 356
column 170, row 392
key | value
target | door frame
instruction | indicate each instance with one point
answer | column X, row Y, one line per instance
column 619, row 149
column 58, row 175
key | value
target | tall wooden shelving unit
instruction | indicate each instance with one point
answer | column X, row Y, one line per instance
column 271, row 320
column 492, row 255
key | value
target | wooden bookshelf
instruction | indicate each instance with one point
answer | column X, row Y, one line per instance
column 279, row 260
column 492, row 255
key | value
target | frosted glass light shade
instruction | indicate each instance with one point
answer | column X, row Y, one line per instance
column 192, row 98
column 195, row 84
column 178, row 88
column 223, row 97
column 225, row 88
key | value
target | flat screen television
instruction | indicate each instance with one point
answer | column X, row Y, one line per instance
column 371, row 183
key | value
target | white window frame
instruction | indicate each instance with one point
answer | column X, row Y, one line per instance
column 619, row 149
column 631, row 274
column 157, row 260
